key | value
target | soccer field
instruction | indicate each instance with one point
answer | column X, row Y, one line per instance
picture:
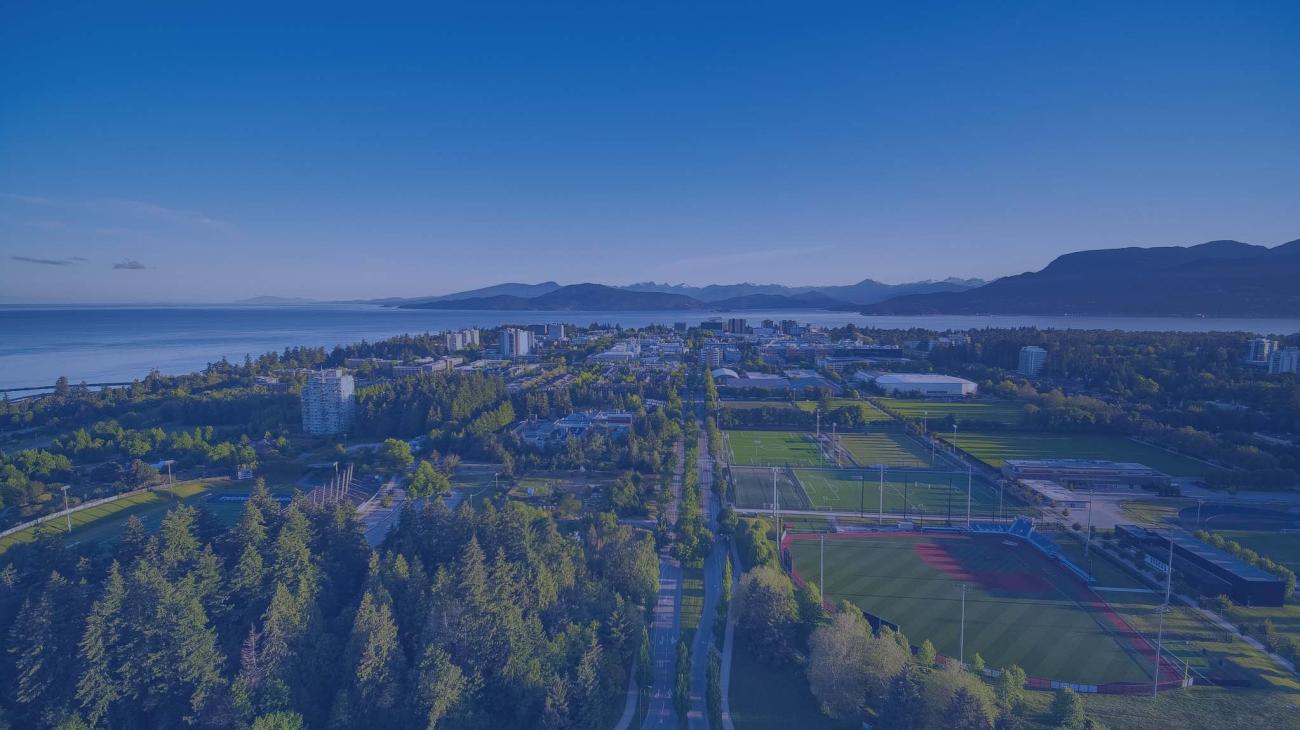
column 1020, row 609
column 890, row 449
column 995, row 447
column 754, row 489
column 995, row 411
column 921, row 493
column 773, row 448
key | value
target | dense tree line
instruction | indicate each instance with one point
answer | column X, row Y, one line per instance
column 467, row 619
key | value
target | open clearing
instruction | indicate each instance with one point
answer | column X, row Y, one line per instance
column 995, row 447
column 1020, row 608
column 778, row 448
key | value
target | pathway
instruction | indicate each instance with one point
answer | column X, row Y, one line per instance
column 709, row 506
column 665, row 627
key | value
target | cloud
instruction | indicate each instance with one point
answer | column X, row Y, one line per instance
column 130, row 264
column 47, row 262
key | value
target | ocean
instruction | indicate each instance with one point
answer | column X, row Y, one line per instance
column 116, row 344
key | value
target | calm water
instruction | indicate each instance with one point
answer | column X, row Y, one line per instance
column 105, row 344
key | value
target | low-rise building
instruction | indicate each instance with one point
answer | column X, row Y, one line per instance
column 930, row 385
column 1085, row 473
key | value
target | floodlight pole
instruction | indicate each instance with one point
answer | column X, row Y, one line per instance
column 1160, row 635
column 881, row 520
column 66, row 513
column 821, row 578
column 776, row 508
column 970, row 473
column 961, row 651
column 862, row 493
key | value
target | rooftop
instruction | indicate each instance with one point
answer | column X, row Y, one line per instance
column 920, row 379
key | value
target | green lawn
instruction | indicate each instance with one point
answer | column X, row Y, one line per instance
column 890, row 449
column 1019, row 608
column 778, row 448
column 924, row 492
column 1280, row 547
column 995, row 447
column 992, row 411
column 106, row 521
column 747, row 404
column 873, row 413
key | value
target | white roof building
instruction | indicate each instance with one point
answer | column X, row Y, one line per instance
column 928, row 384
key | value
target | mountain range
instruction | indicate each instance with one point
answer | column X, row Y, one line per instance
column 654, row 296
column 1214, row 279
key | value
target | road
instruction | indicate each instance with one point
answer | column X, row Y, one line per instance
column 666, row 626
column 713, row 566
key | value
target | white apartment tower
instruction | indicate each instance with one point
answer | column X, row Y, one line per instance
column 516, row 342
column 1032, row 358
column 328, row 402
column 1285, row 360
column 1260, row 350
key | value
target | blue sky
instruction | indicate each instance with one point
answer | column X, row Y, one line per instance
column 185, row 153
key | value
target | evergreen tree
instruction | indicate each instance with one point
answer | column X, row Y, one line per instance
column 100, row 653
column 439, row 686
column 555, row 712
column 965, row 713
column 904, row 707
column 43, row 638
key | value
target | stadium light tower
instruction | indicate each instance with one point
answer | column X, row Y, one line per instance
column 969, row 477
column 1160, row 634
column 881, row 520
column 66, row 513
column 961, row 651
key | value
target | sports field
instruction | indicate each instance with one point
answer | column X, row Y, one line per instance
column 779, row 448
column 747, row 404
column 754, row 489
column 995, row 447
column 890, row 449
column 927, row 493
column 1020, row 608
column 873, row 413
column 993, row 411
column 105, row 521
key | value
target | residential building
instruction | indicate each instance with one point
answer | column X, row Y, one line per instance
column 328, row 402
column 1259, row 351
column 711, row 356
column 736, row 326
column 1032, row 359
column 1285, row 360
column 516, row 342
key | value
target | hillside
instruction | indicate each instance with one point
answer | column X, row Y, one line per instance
column 579, row 297
column 1218, row 279
column 867, row 291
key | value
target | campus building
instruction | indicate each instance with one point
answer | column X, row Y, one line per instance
column 1211, row 570
column 1032, row 359
column 1260, row 350
column 929, row 385
column 328, row 402
column 1085, row 473
column 516, row 342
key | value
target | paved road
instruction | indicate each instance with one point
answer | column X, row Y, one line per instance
column 709, row 505
column 378, row 519
column 666, row 626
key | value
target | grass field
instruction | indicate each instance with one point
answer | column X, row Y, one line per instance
column 874, row 413
column 992, row 411
column 780, row 448
column 995, row 447
column 924, row 492
column 746, row 404
column 105, row 521
column 754, row 489
column 890, row 449
column 1280, row 547
column 1019, row 608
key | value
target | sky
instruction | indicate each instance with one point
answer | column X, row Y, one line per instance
column 211, row 152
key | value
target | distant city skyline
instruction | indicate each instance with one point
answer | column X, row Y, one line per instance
column 175, row 154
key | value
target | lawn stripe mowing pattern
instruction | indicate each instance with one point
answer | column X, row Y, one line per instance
column 994, row 411
column 846, row 491
column 995, row 447
column 1019, row 608
column 890, row 449
column 779, row 448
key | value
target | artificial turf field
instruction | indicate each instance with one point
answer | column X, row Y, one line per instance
column 754, row 489
column 1020, row 608
column 923, row 492
column 780, row 448
column 883, row 447
column 995, row 447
